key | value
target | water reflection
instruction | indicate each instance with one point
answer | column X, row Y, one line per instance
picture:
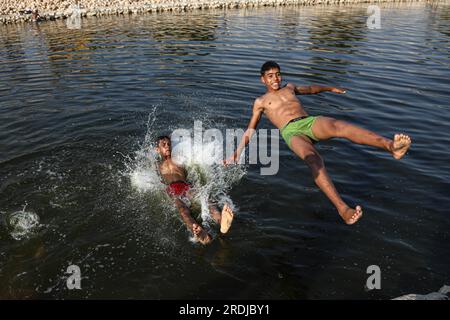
column 339, row 30
column 439, row 17
column 194, row 27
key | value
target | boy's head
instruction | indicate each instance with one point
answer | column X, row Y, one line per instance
column 271, row 75
column 163, row 146
column 269, row 65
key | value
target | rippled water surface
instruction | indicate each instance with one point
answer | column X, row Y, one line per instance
column 76, row 107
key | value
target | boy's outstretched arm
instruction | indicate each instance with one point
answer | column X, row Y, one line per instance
column 316, row 89
column 256, row 116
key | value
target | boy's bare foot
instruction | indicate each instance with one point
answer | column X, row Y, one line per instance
column 226, row 219
column 200, row 234
column 400, row 145
column 350, row 215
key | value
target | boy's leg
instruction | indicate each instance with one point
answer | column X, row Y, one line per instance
column 215, row 213
column 223, row 218
column 199, row 233
column 306, row 151
column 326, row 128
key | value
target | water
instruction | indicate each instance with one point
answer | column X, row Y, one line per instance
column 22, row 224
column 79, row 107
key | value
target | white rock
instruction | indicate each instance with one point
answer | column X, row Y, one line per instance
column 441, row 295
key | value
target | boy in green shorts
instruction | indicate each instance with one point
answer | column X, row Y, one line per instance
column 301, row 131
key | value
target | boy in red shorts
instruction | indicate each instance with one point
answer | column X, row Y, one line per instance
column 174, row 176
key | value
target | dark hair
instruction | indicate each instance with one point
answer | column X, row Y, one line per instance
column 269, row 65
column 157, row 140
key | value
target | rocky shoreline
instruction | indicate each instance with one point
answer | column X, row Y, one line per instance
column 14, row 11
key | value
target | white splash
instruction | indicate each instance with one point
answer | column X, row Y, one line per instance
column 22, row 223
column 211, row 181
column 144, row 176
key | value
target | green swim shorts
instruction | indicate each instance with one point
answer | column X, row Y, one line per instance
column 299, row 127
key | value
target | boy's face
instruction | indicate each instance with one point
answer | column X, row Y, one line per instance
column 272, row 79
column 164, row 147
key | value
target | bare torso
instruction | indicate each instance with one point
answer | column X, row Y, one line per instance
column 282, row 106
column 171, row 172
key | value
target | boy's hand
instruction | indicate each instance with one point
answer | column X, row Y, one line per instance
column 338, row 90
column 230, row 160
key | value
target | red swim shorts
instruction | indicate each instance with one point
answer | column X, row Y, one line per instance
column 178, row 188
